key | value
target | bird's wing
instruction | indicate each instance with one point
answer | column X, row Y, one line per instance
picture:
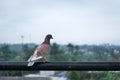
column 40, row 51
column 43, row 50
column 34, row 57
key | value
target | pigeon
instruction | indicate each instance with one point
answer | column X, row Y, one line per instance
column 42, row 50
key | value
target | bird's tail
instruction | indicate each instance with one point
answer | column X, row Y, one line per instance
column 31, row 63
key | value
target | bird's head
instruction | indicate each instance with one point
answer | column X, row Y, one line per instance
column 49, row 36
column 47, row 39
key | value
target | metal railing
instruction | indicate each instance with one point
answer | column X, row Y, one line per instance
column 67, row 66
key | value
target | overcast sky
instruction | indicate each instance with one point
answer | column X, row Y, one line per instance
column 70, row 21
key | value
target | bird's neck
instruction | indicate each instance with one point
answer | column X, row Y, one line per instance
column 46, row 41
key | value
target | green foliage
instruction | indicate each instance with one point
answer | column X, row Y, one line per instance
column 111, row 76
column 56, row 53
column 5, row 53
column 74, row 75
column 68, row 52
column 9, row 55
column 26, row 52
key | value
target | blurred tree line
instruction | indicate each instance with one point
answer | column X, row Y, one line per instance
column 69, row 52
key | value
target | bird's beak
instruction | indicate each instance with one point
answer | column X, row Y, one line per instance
column 52, row 38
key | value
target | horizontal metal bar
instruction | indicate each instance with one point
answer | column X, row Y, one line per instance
column 68, row 66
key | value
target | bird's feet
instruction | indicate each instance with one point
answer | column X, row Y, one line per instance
column 45, row 61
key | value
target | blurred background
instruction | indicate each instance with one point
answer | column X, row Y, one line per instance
column 83, row 30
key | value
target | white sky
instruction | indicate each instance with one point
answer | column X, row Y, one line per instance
column 70, row 21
